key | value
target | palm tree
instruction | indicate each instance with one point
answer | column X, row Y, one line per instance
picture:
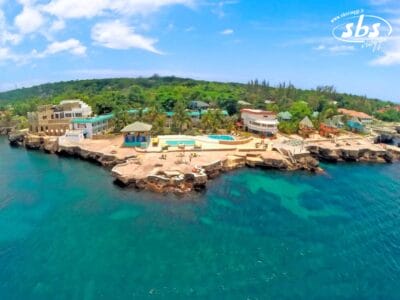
column 212, row 120
column 156, row 117
column 181, row 119
column 121, row 119
column 159, row 124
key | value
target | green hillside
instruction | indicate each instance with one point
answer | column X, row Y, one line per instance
column 106, row 95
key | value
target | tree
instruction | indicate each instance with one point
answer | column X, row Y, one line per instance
column 230, row 105
column 288, row 127
column 390, row 115
column 299, row 110
column 180, row 120
column 121, row 119
column 135, row 95
column 157, row 118
column 212, row 120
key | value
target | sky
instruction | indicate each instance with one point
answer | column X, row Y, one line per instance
column 228, row 40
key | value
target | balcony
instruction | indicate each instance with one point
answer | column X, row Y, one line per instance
column 264, row 126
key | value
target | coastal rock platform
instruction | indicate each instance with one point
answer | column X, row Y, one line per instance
column 185, row 171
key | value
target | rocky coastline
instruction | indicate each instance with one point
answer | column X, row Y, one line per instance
column 131, row 171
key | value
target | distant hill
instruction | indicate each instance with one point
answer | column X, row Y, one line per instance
column 89, row 87
column 110, row 94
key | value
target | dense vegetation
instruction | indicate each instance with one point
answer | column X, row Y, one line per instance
column 172, row 93
column 390, row 115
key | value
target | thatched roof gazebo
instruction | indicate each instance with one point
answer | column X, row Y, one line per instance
column 306, row 127
column 137, row 127
column 137, row 134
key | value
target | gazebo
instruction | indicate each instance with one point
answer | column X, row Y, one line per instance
column 306, row 127
column 284, row 116
column 137, row 135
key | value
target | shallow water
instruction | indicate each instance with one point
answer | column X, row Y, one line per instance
column 67, row 232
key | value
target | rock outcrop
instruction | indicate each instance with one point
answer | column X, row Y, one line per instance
column 105, row 160
column 6, row 130
column 154, row 176
column 17, row 138
column 161, row 181
column 346, row 154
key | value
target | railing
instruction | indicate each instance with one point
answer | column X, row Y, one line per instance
column 262, row 128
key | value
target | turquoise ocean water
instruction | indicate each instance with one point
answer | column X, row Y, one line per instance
column 67, row 232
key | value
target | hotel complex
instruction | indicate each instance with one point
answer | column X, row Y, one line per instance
column 73, row 121
column 56, row 119
column 69, row 118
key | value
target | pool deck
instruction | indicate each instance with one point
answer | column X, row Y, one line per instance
column 294, row 144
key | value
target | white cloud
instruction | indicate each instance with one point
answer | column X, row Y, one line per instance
column 29, row 20
column 342, row 49
column 391, row 54
column 380, row 2
column 47, row 17
column 57, row 25
column 335, row 49
column 72, row 46
column 116, row 35
column 227, row 31
column 144, row 6
column 219, row 7
column 5, row 35
column 7, row 55
column 65, row 9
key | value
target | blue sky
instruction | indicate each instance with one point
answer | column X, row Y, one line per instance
column 53, row 40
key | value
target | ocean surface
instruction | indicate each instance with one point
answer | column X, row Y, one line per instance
column 67, row 232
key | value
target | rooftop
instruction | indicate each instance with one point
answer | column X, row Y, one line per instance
column 306, row 122
column 354, row 113
column 137, row 127
column 285, row 115
column 257, row 111
column 196, row 113
column 241, row 102
column 92, row 119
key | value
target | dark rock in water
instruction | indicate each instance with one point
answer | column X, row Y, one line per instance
column 384, row 138
column 17, row 138
column 6, row 130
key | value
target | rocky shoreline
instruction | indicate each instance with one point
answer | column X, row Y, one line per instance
column 155, row 176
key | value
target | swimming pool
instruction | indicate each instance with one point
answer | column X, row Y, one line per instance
column 176, row 143
column 221, row 137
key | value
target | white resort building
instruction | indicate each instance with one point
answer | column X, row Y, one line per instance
column 259, row 121
column 74, row 109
